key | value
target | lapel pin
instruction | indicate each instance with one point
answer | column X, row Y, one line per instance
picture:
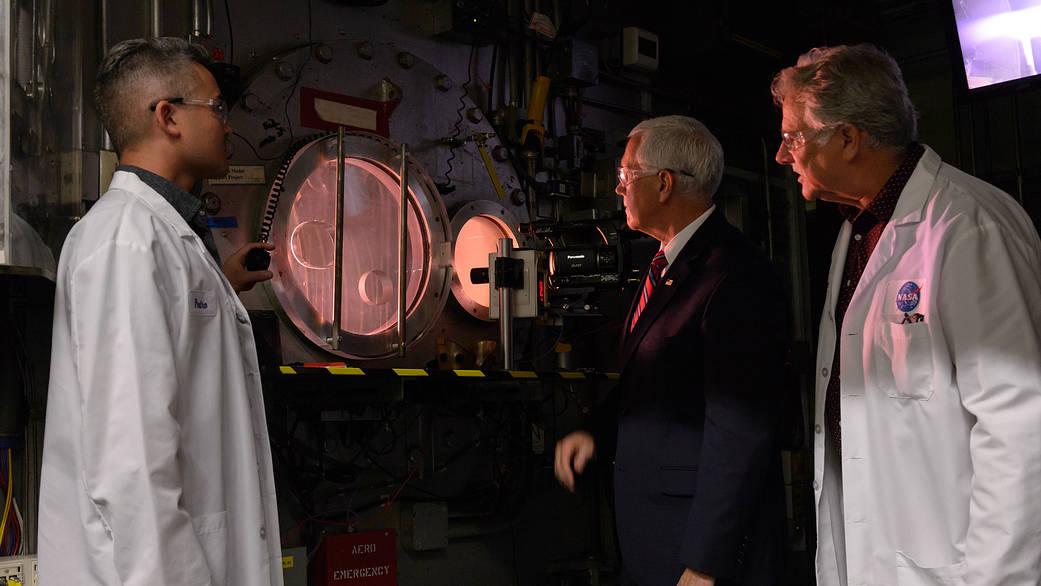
column 668, row 282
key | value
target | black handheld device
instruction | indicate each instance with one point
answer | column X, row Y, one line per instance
column 258, row 259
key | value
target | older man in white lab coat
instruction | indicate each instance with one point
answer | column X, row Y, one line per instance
column 928, row 410
column 156, row 464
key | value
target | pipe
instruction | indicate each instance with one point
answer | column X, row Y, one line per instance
column 505, row 308
column 103, row 33
column 556, row 15
column 513, row 55
column 536, row 113
column 537, row 61
column 106, row 140
column 202, row 18
column 491, row 170
column 338, row 254
column 532, row 208
column 5, row 139
column 30, row 88
column 403, row 251
column 529, row 60
column 156, row 14
column 528, row 48
column 766, row 198
column 617, row 108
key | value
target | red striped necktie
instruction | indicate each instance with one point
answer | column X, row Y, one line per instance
column 658, row 264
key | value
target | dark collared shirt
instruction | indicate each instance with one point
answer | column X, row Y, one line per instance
column 868, row 225
column 187, row 205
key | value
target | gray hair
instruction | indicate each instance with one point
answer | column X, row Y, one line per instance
column 681, row 143
column 859, row 85
column 138, row 70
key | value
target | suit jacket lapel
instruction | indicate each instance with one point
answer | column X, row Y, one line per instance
column 674, row 276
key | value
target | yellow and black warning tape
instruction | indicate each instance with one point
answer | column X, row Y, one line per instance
column 340, row 369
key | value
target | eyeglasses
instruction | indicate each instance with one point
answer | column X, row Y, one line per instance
column 627, row 175
column 217, row 105
column 794, row 141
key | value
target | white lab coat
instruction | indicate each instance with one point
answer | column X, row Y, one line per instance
column 156, row 463
column 941, row 419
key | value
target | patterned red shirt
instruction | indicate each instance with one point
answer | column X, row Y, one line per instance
column 868, row 225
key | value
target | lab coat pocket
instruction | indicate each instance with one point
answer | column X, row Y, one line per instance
column 903, row 360
column 909, row 573
column 212, row 531
column 678, row 480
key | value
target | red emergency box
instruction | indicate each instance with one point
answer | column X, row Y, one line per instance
column 356, row 559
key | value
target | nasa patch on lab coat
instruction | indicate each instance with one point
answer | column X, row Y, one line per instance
column 202, row 302
column 904, row 301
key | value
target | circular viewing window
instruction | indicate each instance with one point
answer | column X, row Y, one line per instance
column 370, row 246
column 478, row 226
column 304, row 233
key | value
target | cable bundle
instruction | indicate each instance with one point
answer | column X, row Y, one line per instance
column 10, row 522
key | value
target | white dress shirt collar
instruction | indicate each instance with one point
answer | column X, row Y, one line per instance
column 673, row 248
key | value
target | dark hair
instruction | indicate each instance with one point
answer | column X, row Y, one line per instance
column 138, row 72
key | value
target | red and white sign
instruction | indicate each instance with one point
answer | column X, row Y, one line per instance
column 357, row 559
column 328, row 111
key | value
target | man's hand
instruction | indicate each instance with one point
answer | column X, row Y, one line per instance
column 572, row 455
column 235, row 268
column 692, row 578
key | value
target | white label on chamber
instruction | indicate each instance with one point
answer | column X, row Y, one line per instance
column 242, row 175
column 345, row 114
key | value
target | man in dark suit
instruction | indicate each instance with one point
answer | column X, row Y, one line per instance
column 697, row 472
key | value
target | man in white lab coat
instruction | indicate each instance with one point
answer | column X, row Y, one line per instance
column 927, row 460
column 156, row 463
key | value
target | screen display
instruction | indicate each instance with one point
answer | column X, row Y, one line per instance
column 1000, row 40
